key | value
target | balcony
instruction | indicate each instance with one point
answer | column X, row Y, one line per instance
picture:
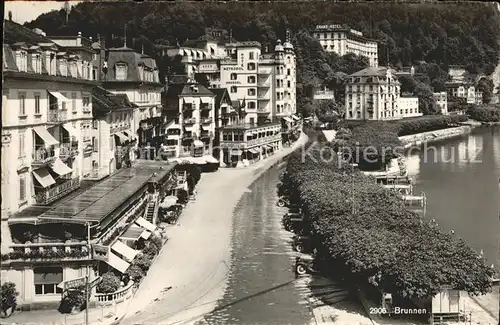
column 68, row 150
column 120, row 295
column 189, row 121
column 206, row 120
column 57, row 116
column 43, row 156
column 49, row 195
column 206, row 134
column 187, row 136
column 120, row 127
column 263, row 111
column 55, row 252
column 187, row 107
column 206, row 107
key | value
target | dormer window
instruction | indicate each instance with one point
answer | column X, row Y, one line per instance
column 63, row 67
column 121, row 71
column 22, row 61
column 36, row 61
column 72, row 69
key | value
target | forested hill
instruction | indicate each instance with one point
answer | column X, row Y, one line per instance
column 446, row 33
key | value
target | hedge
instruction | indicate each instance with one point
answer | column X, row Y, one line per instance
column 428, row 123
column 382, row 240
column 485, row 113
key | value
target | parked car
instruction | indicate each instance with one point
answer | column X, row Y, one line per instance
column 301, row 243
column 283, row 201
column 304, row 264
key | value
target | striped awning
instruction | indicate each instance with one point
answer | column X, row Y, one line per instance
column 71, row 130
column 123, row 138
column 43, row 177
column 117, row 263
column 45, row 135
column 60, row 168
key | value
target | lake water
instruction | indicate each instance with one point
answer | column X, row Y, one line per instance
column 460, row 177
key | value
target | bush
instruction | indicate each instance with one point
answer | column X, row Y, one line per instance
column 135, row 273
column 110, row 283
column 142, row 261
column 72, row 299
column 428, row 123
column 381, row 240
column 156, row 241
column 150, row 250
column 8, row 295
column 485, row 113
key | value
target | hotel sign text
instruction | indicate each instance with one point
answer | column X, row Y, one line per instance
column 328, row 26
column 232, row 69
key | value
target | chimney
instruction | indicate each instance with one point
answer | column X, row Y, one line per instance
column 10, row 15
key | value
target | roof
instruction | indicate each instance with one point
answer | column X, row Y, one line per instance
column 370, row 71
column 101, row 200
column 13, row 33
column 186, row 89
column 103, row 101
column 248, row 126
column 9, row 63
column 133, row 61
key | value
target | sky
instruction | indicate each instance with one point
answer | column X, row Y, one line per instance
column 23, row 11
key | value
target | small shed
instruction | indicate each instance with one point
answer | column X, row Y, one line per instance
column 446, row 305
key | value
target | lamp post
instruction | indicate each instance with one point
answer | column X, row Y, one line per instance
column 87, row 277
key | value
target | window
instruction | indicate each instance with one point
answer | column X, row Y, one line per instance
column 22, row 141
column 234, row 76
column 86, row 103
column 288, row 84
column 233, row 89
column 287, row 72
column 94, row 74
column 250, row 56
column 63, row 103
column 37, row 63
column 251, row 79
column 73, row 102
column 121, row 71
column 22, row 61
column 252, row 120
column 277, row 96
column 64, row 67
column 22, row 188
column 251, row 105
column 46, row 280
column 37, row 104
column 251, row 66
column 251, row 92
column 22, row 104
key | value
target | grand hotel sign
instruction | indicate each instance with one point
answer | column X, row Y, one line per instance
column 328, row 27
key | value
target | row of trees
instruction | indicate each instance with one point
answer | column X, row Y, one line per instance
column 366, row 231
column 485, row 113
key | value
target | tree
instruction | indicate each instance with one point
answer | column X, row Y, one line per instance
column 142, row 261
column 486, row 86
column 8, row 295
column 135, row 273
column 426, row 101
column 110, row 283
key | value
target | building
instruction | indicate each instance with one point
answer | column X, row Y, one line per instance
column 244, row 144
column 408, row 107
column 466, row 90
column 374, row 94
column 113, row 135
column 96, row 231
column 441, row 99
column 191, row 120
column 341, row 39
column 324, row 93
column 46, row 119
column 135, row 75
column 264, row 82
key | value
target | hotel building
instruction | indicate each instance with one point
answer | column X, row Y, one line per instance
column 374, row 94
column 466, row 90
column 341, row 39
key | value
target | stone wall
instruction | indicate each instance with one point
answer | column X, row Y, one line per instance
column 419, row 138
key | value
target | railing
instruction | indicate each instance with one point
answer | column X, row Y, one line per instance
column 47, row 251
column 43, row 156
column 190, row 120
column 68, row 150
column 206, row 107
column 186, row 107
column 118, row 128
column 262, row 110
column 188, row 136
column 120, row 295
column 57, row 115
column 47, row 196
column 206, row 120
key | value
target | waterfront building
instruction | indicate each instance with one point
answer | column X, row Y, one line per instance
column 244, row 144
column 97, row 230
column 113, row 135
column 408, row 107
column 46, row 119
column 190, row 113
column 441, row 99
column 342, row 39
column 466, row 90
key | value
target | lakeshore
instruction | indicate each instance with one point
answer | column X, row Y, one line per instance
column 418, row 139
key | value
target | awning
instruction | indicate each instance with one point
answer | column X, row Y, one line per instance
column 71, row 130
column 132, row 233
column 168, row 201
column 236, row 152
column 254, row 150
column 295, row 117
column 127, row 252
column 43, row 177
column 117, row 263
column 210, row 159
column 286, row 118
column 60, row 168
column 59, row 96
column 268, row 146
column 121, row 136
column 198, row 143
column 45, row 135
column 145, row 224
column 145, row 234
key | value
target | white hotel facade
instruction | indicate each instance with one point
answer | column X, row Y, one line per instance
column 341, row 39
